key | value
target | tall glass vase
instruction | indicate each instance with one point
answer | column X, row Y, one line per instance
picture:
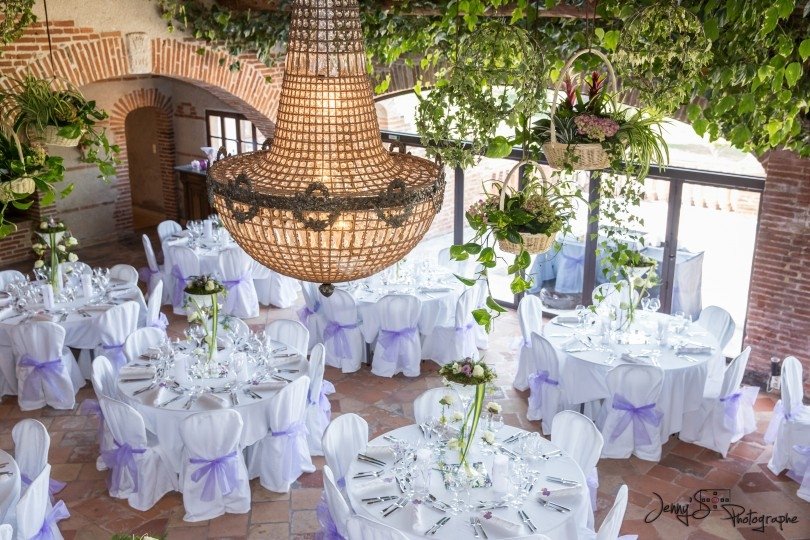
column 471, row 398
column 55, row 272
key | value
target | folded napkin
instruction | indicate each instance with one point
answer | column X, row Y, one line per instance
column 501, row 525
column 284, row 360
column 136, row 372
column 6, row 312
column 571, row 342
column 381, row 452
column 5, row 298
column 694, row 349
column 210, row 402
column 633, row 359
column 414, row 511
column 268, row 385
column 560, row 491
column 567, row 319
column 156, row 396
column 49, row 317
column 363, row 486
column 97, row 307
column 434, row 289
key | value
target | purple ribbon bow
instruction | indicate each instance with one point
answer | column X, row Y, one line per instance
column 392, row 340
column 54, row 486
column 639, row 416
column 42, row 375
column 91, row 407
column 161, row 322
column 122, row 457
column 220, row 475
column 291, row 466
column 464, row 329
column 801, row 466
column 337, row 332
column 576, row 259
column 116, row 357
column 145, row 274
column 231, row 283
column 57, row 513
column 536, row 382
column 328, row 527
column 306, row 312
column 732, row 405
column 179, row 286
column 323, row 401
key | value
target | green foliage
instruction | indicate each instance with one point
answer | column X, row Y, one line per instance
column 15, row 15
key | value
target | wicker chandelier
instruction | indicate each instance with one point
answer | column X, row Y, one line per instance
column 326, row 203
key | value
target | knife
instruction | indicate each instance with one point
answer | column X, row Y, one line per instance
column 375, row 500
column 175, row 398
column 437, row 526
column 553, row 506
column 564, row 481
column 369, row 459
column 144, row 389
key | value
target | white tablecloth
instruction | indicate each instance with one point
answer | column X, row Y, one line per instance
column 9, row 489
column 556, row 525
column 583, row 372
column 207, row 251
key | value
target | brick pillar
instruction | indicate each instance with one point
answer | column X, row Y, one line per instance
column 779, row 300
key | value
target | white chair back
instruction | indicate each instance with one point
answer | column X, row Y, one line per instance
column 184, row 265
column 310, row 314
column 612, row 524
column 125, row 273
column 345, row 347
column 346, row 436
column 718, row 322
column 338, row 507
column 210, row 436
column 319, row 410
column 114, row 326
column 37, row 343
column 7, row 276
column 426, row 405
column 546, row 387
column 530, row 317
column 103, row 378
column 6, row 531
column 126, row 423
column 399, row 347
column 457, row 267
column 733, row 376
column 149, row 251
column 168, row 228
column 792, row 391
column 365, row 529
column 236, row 327
column 293, row 334
column 141, row 340
column 32, row 509
column 577, row 435
column 236, row 272
column 31, row 444
column 154, row 317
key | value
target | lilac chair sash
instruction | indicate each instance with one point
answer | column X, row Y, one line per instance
column 575, row 259
column 328, row 527
column 801, row 467
column 145, row 274
column 56, row 514
column 179, row 286
column 731, row 405
column 91, row 407
column 337, row 332
column 463, row 330
column 231, row 283
column 43, row 374
column 646, row 414
column 306, row 312
column 220, row 475
column 161, row 322
column 116, row 357
column 54, row 486
column 323, row 401
column 291, row 466
column 392, row 341
column 122, row 457
column 536, row 382
column 777, row 418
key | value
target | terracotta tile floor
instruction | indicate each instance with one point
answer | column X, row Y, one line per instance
column 386, row 404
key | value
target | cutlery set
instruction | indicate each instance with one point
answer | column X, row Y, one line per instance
column 563, row 481
column 526, row 521
column 400, row 503
column 384, row 498
column 553, row 506
column 369, row 459
column 475, row 523
column 438, row 525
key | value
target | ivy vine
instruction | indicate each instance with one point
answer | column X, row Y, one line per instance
column 15, row 15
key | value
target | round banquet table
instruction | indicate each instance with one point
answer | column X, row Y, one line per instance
column 9, row 488
column 164, row 422
column 207, row 250
column 685, row 377
column 554, row 524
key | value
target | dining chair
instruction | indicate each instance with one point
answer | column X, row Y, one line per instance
column 719, row 323
column 333, row 512
column 114, row 326
column 235, row 270
column 125, row 273
column 6, row 531
column 612, row 524
column 399, row 346
column 167, row 228
column 152, row 273
column 457, row 267
column 7, row 276
column 547, row 395
column 141, row 340
column 426, row 406
column 104, row 384
column 310, row 315
column 319, row 410
column 184, row 265
column 154, row 317
column 342, row 337
column 291, row 333
column 360, row 527
column 35, row 517
column 274, row 289
column 344, row 438
column 450, row 343
column 31, row 445
column 530, row 318
column 790, row 422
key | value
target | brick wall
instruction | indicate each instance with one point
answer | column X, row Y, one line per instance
column 778, row 311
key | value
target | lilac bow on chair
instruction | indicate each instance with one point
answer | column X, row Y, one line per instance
column 731, row 405
column 54, row 486
column 391, row 340
column 161, row 322
column 306, row 312
column 291, row 456
column 463, row 330
column 179, row 286
column 231, row 283
column 116, row 357
column 42, row 374
column 145, row 274
column 323, row 401
column 91, row 407
column 328, row 527
column 646, row 414
column 536, row 382
column 337, row 332
column 57, row 513
column 220, row 475
column 801, row 468
column 122, row 457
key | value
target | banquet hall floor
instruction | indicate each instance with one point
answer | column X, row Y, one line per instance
column 386, row 404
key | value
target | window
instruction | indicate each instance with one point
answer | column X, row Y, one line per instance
column 233, row 131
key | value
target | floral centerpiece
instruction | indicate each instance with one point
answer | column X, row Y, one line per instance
column 202, row 307
column 633, row 272
column 466, row 375
column 53, row 242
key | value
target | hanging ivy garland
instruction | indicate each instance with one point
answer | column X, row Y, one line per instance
column 15, row 15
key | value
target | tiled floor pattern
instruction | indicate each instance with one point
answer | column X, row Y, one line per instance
column 386, row 404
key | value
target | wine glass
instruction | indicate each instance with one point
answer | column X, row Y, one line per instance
column 655, row 304
column 645, row 303
column 580, row 310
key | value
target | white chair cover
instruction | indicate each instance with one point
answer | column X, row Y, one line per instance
column 234, row 326
column 213, row 477
column 6, row 531
column 342, row 337
column 103, row 379
column 184, row 265
column 236, row 273
column 546, row 387
column 283, row 455
column 35, row 518
column 365, row 529
column 310, row 315
column 399, row 347
column 612, row 524
column 8, row 371
column 319, row 410
column 570, row 263
column 457, row 267
column 293, row 334
column 31, row 444
column 336, row 522
column 577, row 435
column 47, row 373
column 152, row 273
column 725, row 417
column 800, row 470
column 344, row 438
column 114, row 326
column 154, row 318
column 447, row 344
column 139, row 472
column 719, row 323
column 140, row 341
column 631, row 420
column 168, row 228
column 125, row 273
column 7, row 276
column 790, row 423
column 426, row 406
column 273, row 289
column 530, row 317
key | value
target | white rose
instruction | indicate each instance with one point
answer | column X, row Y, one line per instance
column 453, row 444
column 72, row 241
column 39, row 264
column 478, row 371
column 43, row 225
column 488, row 437
column 193, row 316
column 73, row 257
column 446, row 400
column 209, row 285
column 37, row 247
column 455, row 368
column 60, row 247
column 457, row 416
column 493, row 407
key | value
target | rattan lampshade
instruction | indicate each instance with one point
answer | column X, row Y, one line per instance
column 326, row 203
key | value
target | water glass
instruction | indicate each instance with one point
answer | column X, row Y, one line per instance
column 581, row 312
column 655, row 303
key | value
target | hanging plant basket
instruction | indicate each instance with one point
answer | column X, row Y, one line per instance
column 533, row 243
column 16, row 189
column 579, row 156
column 50, row 136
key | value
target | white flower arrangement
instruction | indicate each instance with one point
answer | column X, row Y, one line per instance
column 493, row 407
column 488, row 437
column 447, row 400
column 457, row 416
column 39, row 263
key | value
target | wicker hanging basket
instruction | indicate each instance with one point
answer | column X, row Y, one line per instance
column 50, row 136
column 585, row 156
column 533, row 243
column 16, row 189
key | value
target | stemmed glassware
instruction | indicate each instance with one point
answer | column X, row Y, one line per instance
column 654, row 304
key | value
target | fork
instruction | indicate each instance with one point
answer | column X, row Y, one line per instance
column 474, row 527
column 437, row 526
column 481, row 527
column 190, row 402
column 401, row 502
column 525, row 519
column 368, row 474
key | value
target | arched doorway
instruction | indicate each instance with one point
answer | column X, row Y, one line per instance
column 144, row 146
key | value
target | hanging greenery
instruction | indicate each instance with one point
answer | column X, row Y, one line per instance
column 15, row 15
